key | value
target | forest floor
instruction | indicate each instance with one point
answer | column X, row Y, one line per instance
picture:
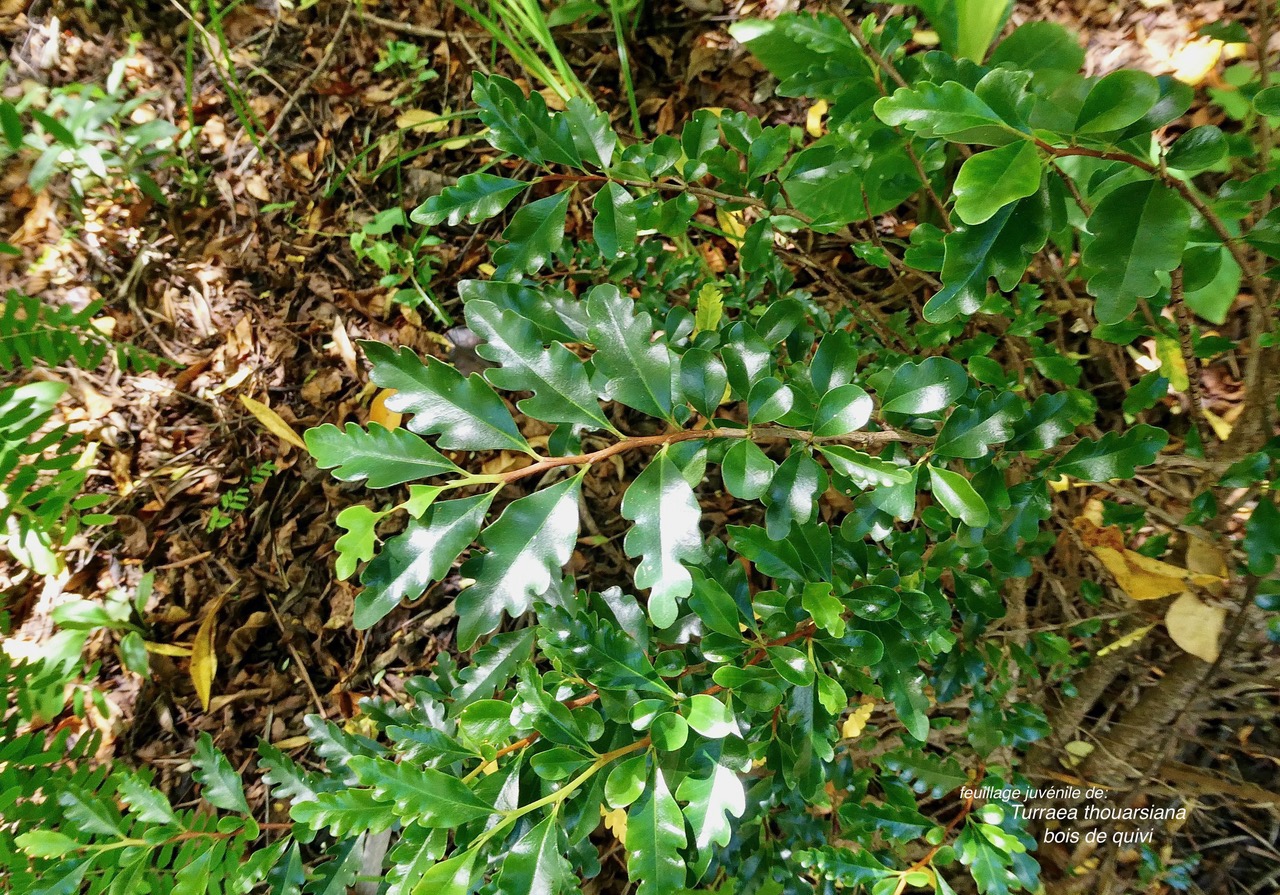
column 245, row 282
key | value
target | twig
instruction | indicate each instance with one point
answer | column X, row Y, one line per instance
column 300, row 91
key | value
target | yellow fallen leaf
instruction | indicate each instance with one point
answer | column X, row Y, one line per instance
column 378, row 412
column 1077, row 751
column 1220, row 427
column 167, row 649
column 1195, row 626
column 272, row 422
column 813, row 119
column 1141, row 577
column 204, row 658
column 1203, row 556
column 1127, row 640
column 1193, row 62
column 1173, row 366
column 420, row 121
column 615, row 821
column 853, row 725
column 731, row 223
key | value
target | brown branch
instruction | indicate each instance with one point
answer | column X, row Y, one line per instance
column 761, row 433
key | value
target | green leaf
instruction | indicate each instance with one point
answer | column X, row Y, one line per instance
column 958, row 498
column 1116, row 101
column 825, row 608
column 599, row 649
column 709, row 717
column 1000, row 247
column 746, row 470
column 463, row 410
column 844, row 409
column 359, row 543
column 1199, row 148
column 793, row 493
column 1139, row 230
column 555, row 375
column 614, row 228
column 1115, row 456
column 927, row 387
column 990, row 180
column 528, row 544
column 666, row 535
column 655, row 835
column 1045, row 424
column 522, row 125
column 835, row 363
column 492, row 667
column 874, row 602
column 862, row 469
column 1144, row 395
column 475, row 197
column 949, row 110
column 45, row 843
column 713, row 604
column 384, row 456
column 220, row 784
column 1267, row 102
column 1039, row 47
column 533, row 236
column 626, row 781
column 1262, row 537
column 971, row 431
column 146, row 802
column 639, row 369
column 426, row 796
column 449, row 877
column 423, row 553
column 711, row 801
column 10, row 124
column 593, row 136
column 709, row 309
column 536, row 864
column 347, row 812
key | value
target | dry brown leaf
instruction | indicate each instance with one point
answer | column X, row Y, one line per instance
column 204, row 658
column 272, row 422
column 1141, row 577
column 346, row 350
column 1196, row 626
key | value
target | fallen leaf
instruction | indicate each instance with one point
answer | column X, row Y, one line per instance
column 615, row 821
column 272, row 422
column 1220, row 427
column 1077, row 751
column 204, row 658
column 1195, row 626
column 1127, row 640
column 420, row 121
column 853, row 725
column 378, row 412
column 167, row 649
column 1140, row 577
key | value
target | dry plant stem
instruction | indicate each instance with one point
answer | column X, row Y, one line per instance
column 292, row 101
column 1194, row 381
column 762, row 433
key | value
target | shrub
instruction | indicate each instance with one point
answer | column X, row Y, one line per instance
column 889, row 465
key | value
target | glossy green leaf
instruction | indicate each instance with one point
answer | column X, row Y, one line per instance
column 824, row 607
column 448, row 877
column 614, row 227
column 655, row 836
column 556, row 376
column 665, row 535
column 957, row 496
column 626, row 781
column 1199, row 148
column 474, row 198
column 923, row 388
column 1262, row 537
column 793, row 493
column 990, row 180
column 536, row 864
column 1040, row 47
column 1139, row 230
column 359, row 541
column 949, row 110
column 844, row 409
column 492, row 667
column 862, row 469
column 533, row 236
column 424, row 795
column 709, row 717
column 463, row 410
column 422, row 554
column 710, row 803
column 639, row 369
column 747, row 470
column 1267, row 102
column 219, row 783
column 1114, row 456
column 528, row 544
column 971, row 431
column 382, row 456
column 769, row 399
column 1116, row 101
